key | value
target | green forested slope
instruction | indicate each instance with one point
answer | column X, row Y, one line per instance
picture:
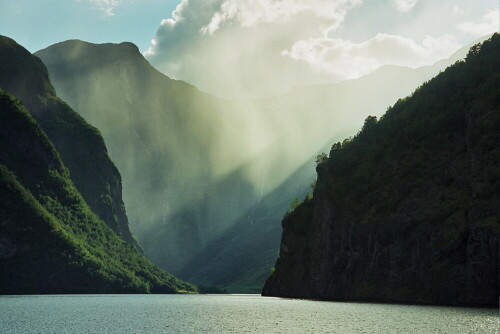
column 51, row 242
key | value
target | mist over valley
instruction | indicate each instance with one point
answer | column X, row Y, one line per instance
column 271, row 166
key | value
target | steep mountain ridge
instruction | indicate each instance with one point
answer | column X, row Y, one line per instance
column 162, row 134
column 80, row 145
column 407, row 211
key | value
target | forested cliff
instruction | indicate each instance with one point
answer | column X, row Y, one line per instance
column 407, row 210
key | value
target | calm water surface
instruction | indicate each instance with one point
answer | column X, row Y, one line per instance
column 133, row 314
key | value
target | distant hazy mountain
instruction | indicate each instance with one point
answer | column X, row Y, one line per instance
column 407, row 211
column 195, row 166
column 52, row 240
column 241, row 258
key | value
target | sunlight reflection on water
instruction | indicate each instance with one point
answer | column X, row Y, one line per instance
column 135, row 314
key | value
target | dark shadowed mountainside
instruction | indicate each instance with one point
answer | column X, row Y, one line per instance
column 407, row 211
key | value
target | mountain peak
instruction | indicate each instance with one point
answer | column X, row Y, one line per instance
column 86, row 52
column 22, row 73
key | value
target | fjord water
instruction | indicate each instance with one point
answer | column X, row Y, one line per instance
column 158, row 314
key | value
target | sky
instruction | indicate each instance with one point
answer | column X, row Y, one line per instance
column 254, row 48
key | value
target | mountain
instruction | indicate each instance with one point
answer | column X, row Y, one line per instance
column 168, row 140
column 80, row 145
column 240, row 260
column 195, row 166
column 324, row 113
column 51, row 240
column 407, row 210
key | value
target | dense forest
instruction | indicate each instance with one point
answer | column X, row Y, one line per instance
column 407, row 210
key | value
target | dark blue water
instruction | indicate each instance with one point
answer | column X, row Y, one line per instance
column 134, row 314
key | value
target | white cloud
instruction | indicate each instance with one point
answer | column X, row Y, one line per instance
column 248, row 13
column 228, row 47
column 457, row 10
column 346, row 59
column 177, row 15
column 105, row 6
column 264, row 47
column 488, row 24
column 404, row 5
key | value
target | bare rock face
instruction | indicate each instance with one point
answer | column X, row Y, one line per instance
column 408, row 210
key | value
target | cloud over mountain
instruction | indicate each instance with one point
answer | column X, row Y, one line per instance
column 488, row 24
column 105, row 6
column 404, row 5
column 235, row 48
column 347, row 59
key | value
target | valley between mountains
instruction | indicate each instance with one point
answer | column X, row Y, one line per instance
column 117, row 178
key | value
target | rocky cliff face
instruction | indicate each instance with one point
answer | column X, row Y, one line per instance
column 407, row 211
column 80, row 145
